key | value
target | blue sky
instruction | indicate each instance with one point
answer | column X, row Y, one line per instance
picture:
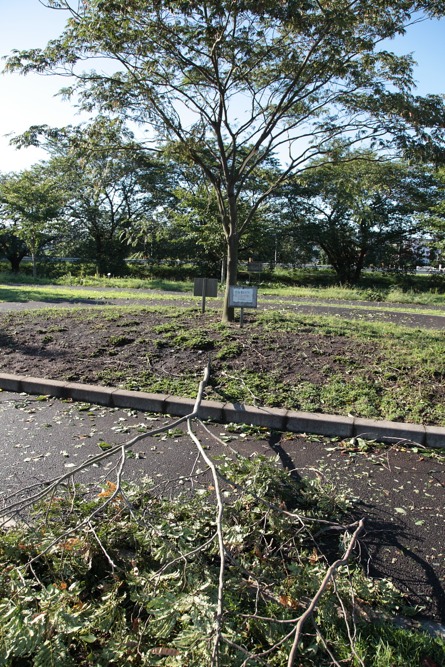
column 30, row 100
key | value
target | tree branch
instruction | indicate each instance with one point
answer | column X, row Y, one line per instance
column 324, row 584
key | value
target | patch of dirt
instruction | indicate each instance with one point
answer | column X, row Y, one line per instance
column 84, row 346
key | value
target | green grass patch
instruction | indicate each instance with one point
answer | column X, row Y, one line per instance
column 280, row 358
column 24, row 294
column 368, row 308
column 127, row 288
column 131, row 288
column 394, row 295
column 400, row 377
column 96, row 281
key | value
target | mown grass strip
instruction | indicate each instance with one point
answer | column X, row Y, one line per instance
column 393, row 295
column 418, row 294
column 44, row 294
column 20, row 294
column 383, row 308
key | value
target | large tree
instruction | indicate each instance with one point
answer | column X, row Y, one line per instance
column 217, row 76
column 357, row 205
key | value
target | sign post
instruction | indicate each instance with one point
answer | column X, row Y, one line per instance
column 205, row 287
column 242, row 297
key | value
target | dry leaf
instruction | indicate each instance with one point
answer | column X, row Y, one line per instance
column 288, row 601
column 108, row 491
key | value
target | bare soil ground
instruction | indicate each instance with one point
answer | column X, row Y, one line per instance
column 303, row 366
column 80, row 346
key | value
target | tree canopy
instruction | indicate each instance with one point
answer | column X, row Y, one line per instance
column 357, row 204
column 110, row 185
column 31, row 200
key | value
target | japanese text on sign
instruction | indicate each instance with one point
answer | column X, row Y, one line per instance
column 243, row 297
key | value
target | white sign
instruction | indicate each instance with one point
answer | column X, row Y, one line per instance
column 243, row 297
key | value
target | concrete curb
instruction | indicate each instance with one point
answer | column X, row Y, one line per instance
column 273, row 418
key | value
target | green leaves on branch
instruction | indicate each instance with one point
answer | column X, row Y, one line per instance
column 141, row 589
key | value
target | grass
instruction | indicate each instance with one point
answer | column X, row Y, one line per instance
column 398, row 379
column 393, row 295
column 380, row 371
column 93, row 281
column 25, row 288
column 385, row 372
column 368, row 308
column 316, row 364
column 46, row 293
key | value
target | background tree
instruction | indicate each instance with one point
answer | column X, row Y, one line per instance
column 111, row 186
column 356, row 205
column 436, row 222
column 193, row 218
column 32, row 200
column 219, row 76
column 11, row 246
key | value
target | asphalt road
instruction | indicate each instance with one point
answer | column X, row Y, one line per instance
column 42, row 439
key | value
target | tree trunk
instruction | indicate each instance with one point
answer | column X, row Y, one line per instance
column 34, row 265
column 345, row 276
column 359, row 265
column 350, row 269
column 99, row 259
column 228, row 313
column 15, row 260
column 223, row 269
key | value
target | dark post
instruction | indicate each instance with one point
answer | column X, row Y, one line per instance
column 204, row 291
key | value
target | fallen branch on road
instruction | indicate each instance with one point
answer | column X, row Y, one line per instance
column 213, row 576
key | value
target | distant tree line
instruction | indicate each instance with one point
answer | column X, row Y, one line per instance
column 105, row 206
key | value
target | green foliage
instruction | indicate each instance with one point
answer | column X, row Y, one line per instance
column 32, row 200
column 12, row 246
column 142, row 589
column 227, row 350
column 120, row 341
column 193, row 340
column 358, row 208
column 437, row 222
column 106, row 192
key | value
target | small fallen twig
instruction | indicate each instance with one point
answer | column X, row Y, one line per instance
column 327, row 578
